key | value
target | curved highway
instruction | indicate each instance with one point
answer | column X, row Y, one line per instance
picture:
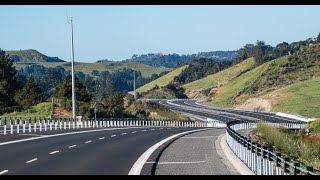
column 194, row 107
column 109, row 151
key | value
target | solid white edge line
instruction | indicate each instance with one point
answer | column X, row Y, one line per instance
column 30, row 161
column 138, row 165
column 63, row 134
column 4, row 171
column 54, row 152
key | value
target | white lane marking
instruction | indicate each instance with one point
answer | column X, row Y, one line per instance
column 134, row 131
column 137, row 167
column 161, row 128
column 190, row 137
column 124, row 133
column 88, row 142
column 72, row 146
column 102, row 138
column 4, row 171
column 32, row 135
column 152, row 129
column 64, row 134
column 113, row 135
column 190, row 162
column 144, row 130
column 168, row 128
column 32, row 160
column 54, row 152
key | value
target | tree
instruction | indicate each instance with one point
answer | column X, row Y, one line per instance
column 95, row 73
column 8, row 81
column 29, row 95
column 318, row 38
column 115, row 105
column 64, row 90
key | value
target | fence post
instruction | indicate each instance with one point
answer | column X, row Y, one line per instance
column 278, row 163
column 286, row 166
column 259, row 168
column 296, row 168
column 270, row 157
column 309, row 169
column 5, row 126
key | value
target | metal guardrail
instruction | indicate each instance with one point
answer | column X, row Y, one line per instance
column 260, row 160
column 23, row 125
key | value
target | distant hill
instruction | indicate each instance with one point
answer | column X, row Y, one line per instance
column 31, row 55
column 171, row 60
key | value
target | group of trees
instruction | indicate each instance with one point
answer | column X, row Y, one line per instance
column 263, row 52
column 198, row 69
column 15, row 90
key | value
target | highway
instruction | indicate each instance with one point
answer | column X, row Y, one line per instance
column 109, row 151
column 222, row 114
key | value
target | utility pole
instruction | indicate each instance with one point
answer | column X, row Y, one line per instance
column 134, row 85
column 73, row 78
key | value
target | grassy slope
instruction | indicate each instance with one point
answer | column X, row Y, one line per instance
column 221, row 77
column 42, row 110
column 87, row 68
column 162, row 81
column 230, row 90
column 302, row 98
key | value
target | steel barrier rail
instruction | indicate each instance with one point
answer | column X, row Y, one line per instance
column 260, row 160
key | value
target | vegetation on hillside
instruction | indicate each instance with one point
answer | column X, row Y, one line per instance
column 149, row 110
column 162, row 81
column 295, row 145
column 198, row 69
column 174, row 60
column 41, row 110
column 220, row 78
column 31, row 55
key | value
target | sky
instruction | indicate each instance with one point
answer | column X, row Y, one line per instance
column 116, row 32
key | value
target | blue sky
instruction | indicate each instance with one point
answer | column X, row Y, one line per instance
column 117, row 32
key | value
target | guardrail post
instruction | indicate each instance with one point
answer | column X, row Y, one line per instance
column 270, row 157
column 24, row 126
column 11, row 126
column 286, row 166
column 278, row 164
column 259, row 165
column 5, row 126
column 55, row 123
column 249, row 146
column 18, row 126
column 296, row 168
column 35, row 125
column 309, row 169
column 253, row 157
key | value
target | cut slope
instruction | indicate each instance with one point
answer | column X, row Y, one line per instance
column 226, row 94
column 163, row 80
column 219, row 78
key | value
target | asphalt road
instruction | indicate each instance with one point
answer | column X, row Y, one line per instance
column 110, row 151
column 218, row 113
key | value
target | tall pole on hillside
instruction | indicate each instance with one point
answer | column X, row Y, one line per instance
column 134, row 85
column 73, row 78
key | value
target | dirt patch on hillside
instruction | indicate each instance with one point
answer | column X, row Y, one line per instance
column 265, row 102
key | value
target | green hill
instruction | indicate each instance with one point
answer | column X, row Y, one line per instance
column 219, row 78
column 31, row 55
column 87, row 68
column 162, row 81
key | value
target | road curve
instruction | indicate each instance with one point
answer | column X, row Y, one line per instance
column 109, row 152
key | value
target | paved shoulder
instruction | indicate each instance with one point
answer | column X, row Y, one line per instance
column 194, row 154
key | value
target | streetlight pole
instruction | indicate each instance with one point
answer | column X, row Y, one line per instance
column 134, row 85
column 73, row 78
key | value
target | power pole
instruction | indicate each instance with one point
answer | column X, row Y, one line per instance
column 134, row 85
column 73, row 78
